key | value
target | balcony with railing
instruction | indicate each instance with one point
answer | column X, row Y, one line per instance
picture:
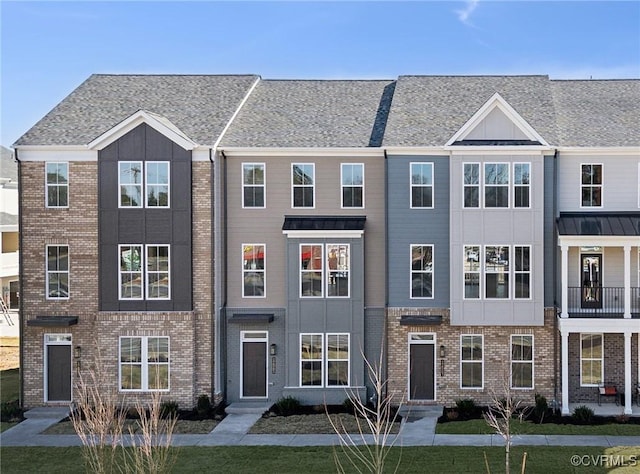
column 601, row 302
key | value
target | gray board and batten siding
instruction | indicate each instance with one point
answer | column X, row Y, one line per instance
column 145, row 225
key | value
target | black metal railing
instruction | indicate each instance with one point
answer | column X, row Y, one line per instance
column 635, row 302
column 604, row 302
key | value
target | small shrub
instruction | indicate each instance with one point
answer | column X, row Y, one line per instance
column 349, row 405
column 622, row 418
column 466, row 408
column 541, row 408
column 10, row 411
column 582, row 415
column 169, row 409
column 452, row 415
column 287, row 405
column 204, row 405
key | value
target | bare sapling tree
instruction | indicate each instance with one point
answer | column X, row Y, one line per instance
column 376, row 422
column 503, row 411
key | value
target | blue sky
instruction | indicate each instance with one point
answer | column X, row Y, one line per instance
column 49, row 48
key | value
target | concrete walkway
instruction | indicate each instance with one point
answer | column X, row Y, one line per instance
column 418, row 429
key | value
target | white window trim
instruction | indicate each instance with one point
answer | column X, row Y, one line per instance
column 601, row 186
column 147, row 184
column 533, row 358
column 143, row 196
column 639, row 186
column 342, row 186
column 301, row 360
column 472, row 361
column 528, row 186
column 48, row 272
column 485, row 184
column 47, row 184
column 479, row 272
column 601, row 359
column 144, row 271
column 301, row 270
column 411, row 271
column 147, row 272
column 478, row 186
column 432, row 185
column 327, row 271
column 263, row 185
column 144, row 361
column 508, row 273
column 521, row 272
column 264, row 270
column 312, row 186
column 326, row 359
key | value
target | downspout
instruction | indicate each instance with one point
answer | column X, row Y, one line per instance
column 385, row 332
column 21, row 316
column 555, row 277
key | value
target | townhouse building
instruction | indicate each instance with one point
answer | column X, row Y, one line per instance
column 251, row 239
column 9, row 242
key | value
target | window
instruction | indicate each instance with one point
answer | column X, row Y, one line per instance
column 521, row 361
column 591, row 185
column 156, row 179
column 303, row 179
column 521, row 185
column 324, row 360
column 57, row 272
column 421, row 185
column 522, row 271
column 496, row 271
column 591, row 360
column 253, row 185
column 471, row 361
column 57, row 184
column 471, row 271
column 421, row 271
column 471, row 184
column 253, row 270
column 496, row 185
column 313, row 277
column 352, row 184
column 157, row 272
column 144, row 363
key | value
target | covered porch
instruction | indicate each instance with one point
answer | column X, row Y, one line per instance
column 607, row 409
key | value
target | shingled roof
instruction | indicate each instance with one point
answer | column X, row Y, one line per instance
column 429, row 110
column 199, row 105
column 312, row 113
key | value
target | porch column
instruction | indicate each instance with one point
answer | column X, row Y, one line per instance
column 565, row 372
column 627, row 373
column 627, row 281
column 564, row 279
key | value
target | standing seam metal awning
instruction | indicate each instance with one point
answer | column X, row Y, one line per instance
column 324, row 223
column 604, row 224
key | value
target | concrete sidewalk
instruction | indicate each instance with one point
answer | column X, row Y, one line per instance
column 417, row 430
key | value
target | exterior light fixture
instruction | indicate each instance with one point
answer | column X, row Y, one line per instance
column 273, row 349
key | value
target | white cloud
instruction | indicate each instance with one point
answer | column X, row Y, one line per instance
column 465, row 13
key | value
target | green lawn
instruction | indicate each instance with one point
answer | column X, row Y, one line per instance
column 9, row 385
column 283, row 460
column 481, row 427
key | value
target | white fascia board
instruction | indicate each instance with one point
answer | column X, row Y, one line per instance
column 619, row 150
column 323, row 234
column 499, row 150
column 56, row 153
column 595, row 325
column 497, row 101
column 417, row 150
column 307, row 151
column 597, row 240
column 9, row 228
column 201, row 153
column 157, row 122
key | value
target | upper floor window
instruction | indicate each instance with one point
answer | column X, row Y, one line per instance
column 253, row 185
column 57, row 184
column 591, row 185
column 522, row 271
column 253, row 270
column 471, row 184
column 324, row 360
column 521, row 185
column 156, row 182
column 422, row 271
column 352, row 184
column 496, row 185
column 57, row 272
column 316, row 275
column 144, row 272
column 471, row 271
column 521, row 361
column 144, row 363
column 496, row 269
column 303, row 184
column 421, row 185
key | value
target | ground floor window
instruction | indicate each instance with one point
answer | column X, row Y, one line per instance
column 591, row 359
column 144, row 363
column 521, row 361
column 324, row 360
column 471, row 361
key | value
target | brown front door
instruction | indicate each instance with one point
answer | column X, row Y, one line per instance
column 254, row 369
column 58, row 373
column 421, row 375
column 591, row 280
